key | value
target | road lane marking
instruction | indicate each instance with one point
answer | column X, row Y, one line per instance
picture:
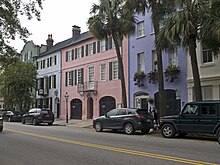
column 115, row 149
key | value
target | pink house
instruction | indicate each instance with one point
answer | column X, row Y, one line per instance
column 90, row 76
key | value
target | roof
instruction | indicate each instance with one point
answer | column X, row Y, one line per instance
column 68, row 42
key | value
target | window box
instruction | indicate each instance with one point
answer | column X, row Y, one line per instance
column 171, row 73
column 138, row 77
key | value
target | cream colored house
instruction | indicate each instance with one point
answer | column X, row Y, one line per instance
column 209, row 69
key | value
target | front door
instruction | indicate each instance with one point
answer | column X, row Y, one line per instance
column 90, row 108
column 106, row 104
column 76, row 109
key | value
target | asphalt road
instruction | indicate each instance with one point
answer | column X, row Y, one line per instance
column 64, row 145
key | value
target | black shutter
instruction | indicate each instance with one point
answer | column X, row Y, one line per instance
column 66, row 56
column 55, row 60
column 49, row 82
column 72, row 54
column 75, row 76
column 76, row 53
column 110, row 70
column 66, row 78
column 82, row 74
column 87, row 49
column 55, row 82
column 98, row 46
column 106, row 44
column 94, row 47
column 110, row 42
column 119, row 72
column 82, row 51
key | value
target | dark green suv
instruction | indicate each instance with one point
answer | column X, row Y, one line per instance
column 195, row 117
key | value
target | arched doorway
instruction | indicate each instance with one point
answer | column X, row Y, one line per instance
column 76, row 109
column 141, row 100
column 89, row 108
column 106, row 104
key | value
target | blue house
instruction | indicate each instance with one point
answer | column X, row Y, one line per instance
column 143, row 84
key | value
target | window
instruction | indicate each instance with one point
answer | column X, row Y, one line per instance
column 173, row 57
column 79, row 76
column 207, row 55
column 29, row 55
column 53, row 81
column 209, row 109
column 91, row 74
column 103, row 72
column 207, row 92
column 115, row 70
column 90, row 48
column 121, row 112
column 112, row 112
column 154, row 60
column 102, row 45
column 191, row 109
column 140, row 62
column 78, row 52
column 140, row 29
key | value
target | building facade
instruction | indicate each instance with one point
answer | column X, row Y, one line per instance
column 209, row 70
column 142, row 58
column 90, row 76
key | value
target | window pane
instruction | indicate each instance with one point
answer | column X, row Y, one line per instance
column 141, row 62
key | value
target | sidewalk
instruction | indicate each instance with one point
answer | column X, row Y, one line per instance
column 74, row 122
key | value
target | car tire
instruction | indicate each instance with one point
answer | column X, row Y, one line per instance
column 23, row 121
column 218, row 135
column 129, row 128
column 50, row 123
column 168, row 131
column 145, row 131
column 1, row 128
column 98, row 126
column 35, row 122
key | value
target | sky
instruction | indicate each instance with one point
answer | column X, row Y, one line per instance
column 57, row 18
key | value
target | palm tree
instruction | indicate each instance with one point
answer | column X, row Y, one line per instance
column 109, row 18
column 183, row 27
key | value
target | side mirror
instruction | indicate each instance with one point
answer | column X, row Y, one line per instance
column 106, row 115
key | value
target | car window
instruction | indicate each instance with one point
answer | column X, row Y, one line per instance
column 31, row 111
column 121, row 112
column 44, row 112
column 209, row 109
column 190, row 109
column 131, row 112
column 142, row 112
column 112, row 112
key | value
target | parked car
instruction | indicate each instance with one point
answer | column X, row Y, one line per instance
column 1, row 122
column 126, row 119
column 36, row 116
column 195, row 118
column 12, row 116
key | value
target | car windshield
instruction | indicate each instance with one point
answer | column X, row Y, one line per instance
column 45, row 111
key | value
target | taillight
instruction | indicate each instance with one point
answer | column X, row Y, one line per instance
column 139, row 117
column 39, row 114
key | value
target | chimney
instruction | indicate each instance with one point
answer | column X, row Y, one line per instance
column 49, row 41
column 75, row 31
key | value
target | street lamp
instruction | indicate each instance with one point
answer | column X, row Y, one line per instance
column 66, row 97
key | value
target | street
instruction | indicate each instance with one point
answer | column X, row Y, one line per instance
column 65, row 145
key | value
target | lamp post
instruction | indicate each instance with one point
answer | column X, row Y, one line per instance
column 66, row 97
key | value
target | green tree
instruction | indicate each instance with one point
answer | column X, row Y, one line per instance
column 184, row 27
column 17, row 82
column 109, row 18
column 10, row 24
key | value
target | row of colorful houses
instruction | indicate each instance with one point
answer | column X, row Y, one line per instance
column 79, row 76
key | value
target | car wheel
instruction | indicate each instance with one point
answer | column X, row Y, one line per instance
column 145, row 131
column 168, row 131
column 129, row 129
column 50, row 123
column 218, row 135
column 1, row 128
column 98, row 127
column 23, row 121
column 35, row 122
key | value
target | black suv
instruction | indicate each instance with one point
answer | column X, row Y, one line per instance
column 126, row 119
column 37, row 116
column 195, row 117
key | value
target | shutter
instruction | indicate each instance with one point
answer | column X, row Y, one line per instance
column 106, row 44
column 66, row 78
column 66, row 56
column 87, row 49
column 98, row 46
column 110, row 70
column 76, row 53
column 82, row 51
column 72, row 54
column 75, row 76
column 54, row 85
column 82, row 72
column 55, row 60
column 119, row 72
column 110, row 42
column 49, row 82
column 94, row 47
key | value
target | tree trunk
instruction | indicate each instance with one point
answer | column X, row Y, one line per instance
column 121, row 72
column 195, row 71
column 159, row 62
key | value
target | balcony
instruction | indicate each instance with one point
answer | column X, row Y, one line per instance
column 43, row 92
column 87, row 87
